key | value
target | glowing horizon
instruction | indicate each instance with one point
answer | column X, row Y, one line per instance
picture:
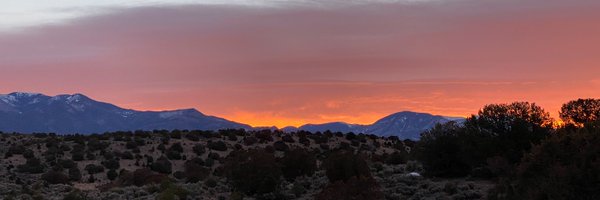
column 282, row 63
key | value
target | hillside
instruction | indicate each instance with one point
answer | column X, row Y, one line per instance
column 207, row 165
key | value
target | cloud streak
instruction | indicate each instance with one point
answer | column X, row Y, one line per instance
column 293, row 64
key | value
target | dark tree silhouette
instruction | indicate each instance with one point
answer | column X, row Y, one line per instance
column 580, row 111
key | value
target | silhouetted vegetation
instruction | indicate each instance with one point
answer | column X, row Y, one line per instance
column 260, row 173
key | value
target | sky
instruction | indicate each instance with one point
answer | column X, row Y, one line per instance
column 277, row 62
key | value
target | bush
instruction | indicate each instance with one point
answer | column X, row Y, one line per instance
column 280, row 146
column 199, row 149
column 356, row 188
column 111, row 164
column 170, row 191
column 194, row 171
column 74, row 174
column 249, row 141
column 260, row 173
column 77, row 156
column 173, row 155
column 396, row 158
column 111, row 174
column 565, row 166
column 162, row 165
column 211, row 183
column 32, row 166
column 288, row 139
column 127, row 155
column 298, row 162
column 343, row 165
column 94, row 169
column 176, row 147
column 28, row 154
column 141, row 177
column 67, row 164
column 54, row 177
column 74, row 195
column 217, row 146
column 440, row 151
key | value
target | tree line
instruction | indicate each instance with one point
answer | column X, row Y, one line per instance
column 521, row 147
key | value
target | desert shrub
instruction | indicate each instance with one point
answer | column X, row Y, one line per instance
column 355, row 188
column 199, row 149
column 280, row 146
column 28, row 153
column 142, row 177
column 194, row 171
column 16, row 149
column 565, row 166
column 350, row 136
column 74, row 174
column 250, row 140
column 176, row 134
column 170, row 190
column 162, row 165
column 319, row 139
column 343, row 165
column 264, row 136
column 32, row 166
column 440, row 150
column 231, row 137
column 94, row 169
column 209, row 162
column 298, row 162
column 396, row 158
column 75, row 195
column 127, row 155
column 90, row 156
column 211, row 183
column 260, row 173
column 67, row 164
column 193, row 136
column 131, row 145
column 112, row 174
column 77, row 156
column 287, row 139
column 173, row 155
column 111, row 164
column 305, row 141
column 161, row 147
column 176, row 147
column 217, row 146
column 54, row 177
column 96, row 145
column 450, row 188
column 214, row 156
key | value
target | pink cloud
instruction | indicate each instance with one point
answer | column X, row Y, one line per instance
column 306, row 64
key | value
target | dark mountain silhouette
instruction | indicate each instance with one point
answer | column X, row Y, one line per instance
column 32, row 112
column 406, row 125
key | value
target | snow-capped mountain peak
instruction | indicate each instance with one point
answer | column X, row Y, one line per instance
column 77, row 113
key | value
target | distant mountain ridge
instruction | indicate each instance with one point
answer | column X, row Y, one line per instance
column 405, row 125
column 76, row 113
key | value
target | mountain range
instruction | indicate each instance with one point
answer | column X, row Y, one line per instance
column 405, row 125
column 77, row 113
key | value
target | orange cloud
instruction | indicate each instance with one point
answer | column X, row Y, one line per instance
column 294, row 65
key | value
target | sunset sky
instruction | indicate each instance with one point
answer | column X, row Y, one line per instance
column 277, row 62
